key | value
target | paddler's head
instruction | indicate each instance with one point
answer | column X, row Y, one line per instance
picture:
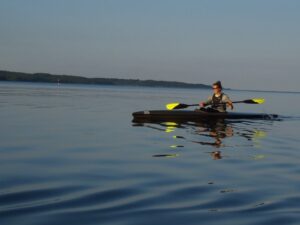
column 217, row 87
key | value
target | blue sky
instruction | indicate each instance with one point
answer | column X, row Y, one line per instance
column 250, row 44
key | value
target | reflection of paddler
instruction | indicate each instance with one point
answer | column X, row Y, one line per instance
column 216, row 129
column 220, row 129
column 216, row 155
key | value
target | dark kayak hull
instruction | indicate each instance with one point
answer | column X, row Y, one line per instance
column 189, row 115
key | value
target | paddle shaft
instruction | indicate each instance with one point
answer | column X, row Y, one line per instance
column 217, row 104
column 172, row 106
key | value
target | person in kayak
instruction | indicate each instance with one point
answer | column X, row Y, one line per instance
column 218, row 101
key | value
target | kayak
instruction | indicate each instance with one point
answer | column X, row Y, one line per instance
column 197, row 115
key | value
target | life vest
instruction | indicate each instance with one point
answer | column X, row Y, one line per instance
column 216, row 102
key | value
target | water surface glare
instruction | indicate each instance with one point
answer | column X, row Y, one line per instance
column 70, row 154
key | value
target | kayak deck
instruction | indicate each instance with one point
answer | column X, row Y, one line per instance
column 189, row 115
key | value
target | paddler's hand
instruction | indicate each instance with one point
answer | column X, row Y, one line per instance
column 202, row 104
column 230, row 104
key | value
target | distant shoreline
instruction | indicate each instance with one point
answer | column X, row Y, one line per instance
column 70, row 79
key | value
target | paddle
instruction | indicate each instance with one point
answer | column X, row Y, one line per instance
column 177, row 105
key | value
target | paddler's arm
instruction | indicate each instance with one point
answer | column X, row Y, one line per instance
column 228, row 101
column 207, row 102
column 230, row 104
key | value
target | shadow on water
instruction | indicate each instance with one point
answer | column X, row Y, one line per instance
column 212, row 133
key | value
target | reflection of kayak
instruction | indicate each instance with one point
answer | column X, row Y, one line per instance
column 189, row 115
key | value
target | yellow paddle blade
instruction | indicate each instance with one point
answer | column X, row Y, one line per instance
column 259, row 100
column 171, row 106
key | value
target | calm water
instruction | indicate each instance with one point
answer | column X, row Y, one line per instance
column 71, row 155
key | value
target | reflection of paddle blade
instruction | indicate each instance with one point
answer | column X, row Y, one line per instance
column 178, row 137
column 167, row 155
column 176, row 146
column 259, row 134
column 259, row 157
column 170, row 126
column 169, row 130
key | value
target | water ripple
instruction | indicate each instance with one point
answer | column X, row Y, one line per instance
column 70, row 155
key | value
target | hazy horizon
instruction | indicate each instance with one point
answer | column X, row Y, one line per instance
column 247, row 44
